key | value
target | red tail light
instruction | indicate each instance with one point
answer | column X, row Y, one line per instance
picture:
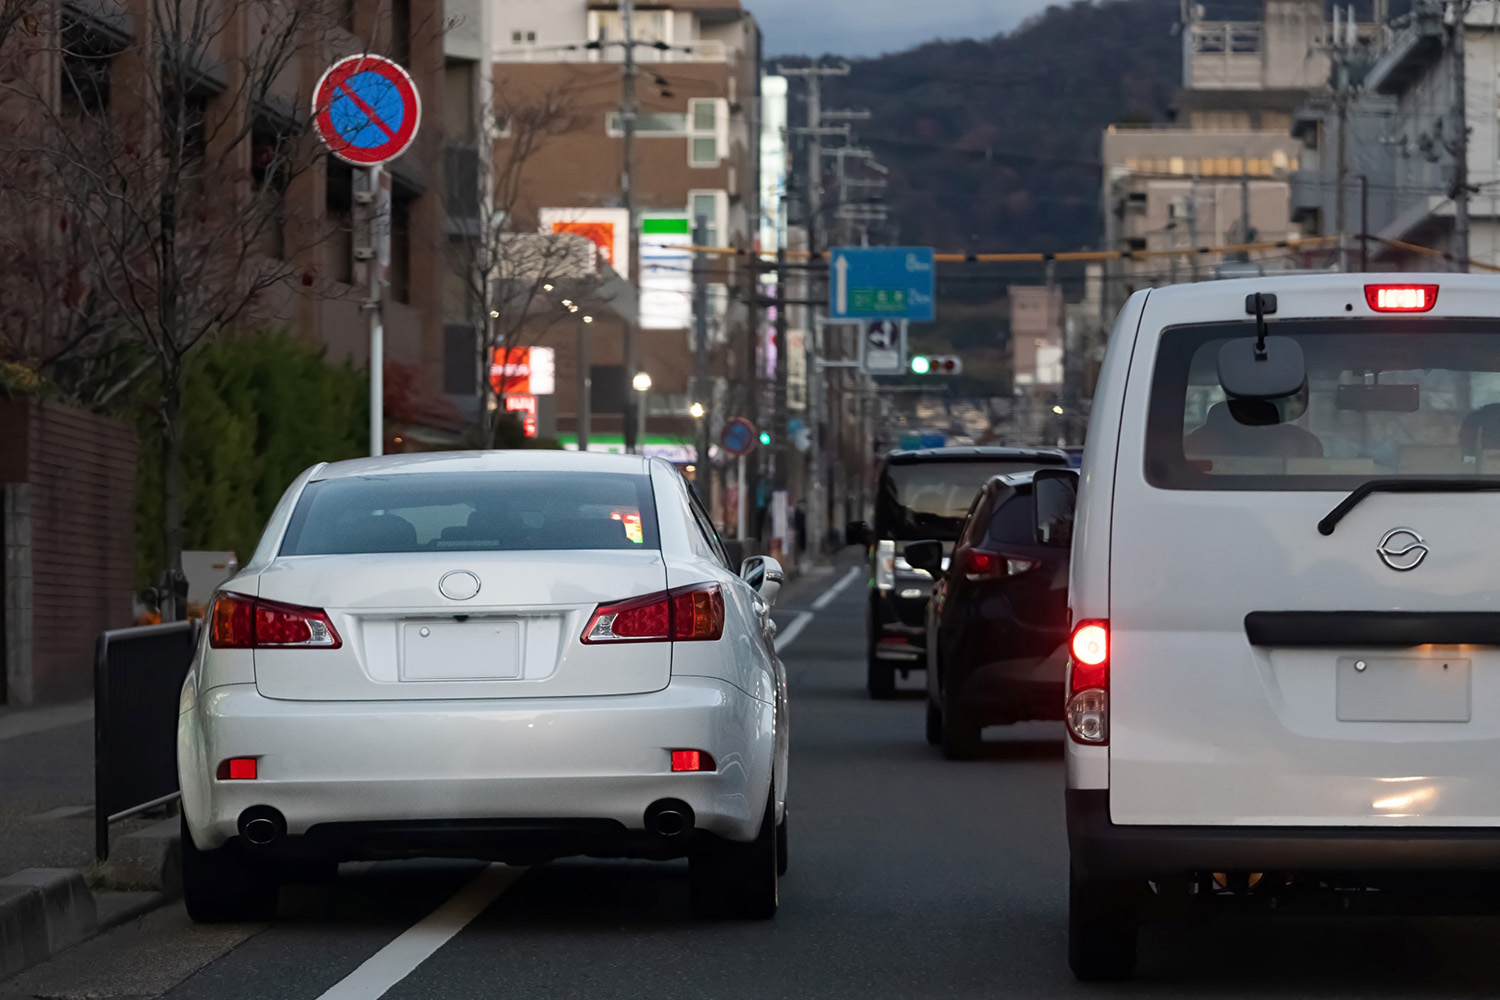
column 241, row 622
column 693, row 760
column 687, row 614
column 1088, row 682
column 978, row 564
column 237, row 769
column 1401, row 298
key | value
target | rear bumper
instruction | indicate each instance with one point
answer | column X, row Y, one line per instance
column 1102, row 849
column 586, row 768
column 901, row 622
column 1004, row 691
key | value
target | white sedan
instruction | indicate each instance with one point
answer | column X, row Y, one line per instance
column 512, row 656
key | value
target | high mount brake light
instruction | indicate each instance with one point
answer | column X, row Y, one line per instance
column 686, row 614
column 1088, row 682
column 241, row 622
column 1401, row 298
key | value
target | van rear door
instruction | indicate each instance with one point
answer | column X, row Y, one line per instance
column 1263, row 672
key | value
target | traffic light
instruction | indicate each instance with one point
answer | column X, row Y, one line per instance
column 924, row 364
column 765, row 437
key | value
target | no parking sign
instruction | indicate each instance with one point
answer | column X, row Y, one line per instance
column 366, row 110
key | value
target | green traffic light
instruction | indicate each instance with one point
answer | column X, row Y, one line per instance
column 765, row 438
column 920, row 365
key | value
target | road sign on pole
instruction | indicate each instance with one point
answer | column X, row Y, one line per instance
column 883, row 346
column 366, row 110
column 739, row 437
column 883, row 283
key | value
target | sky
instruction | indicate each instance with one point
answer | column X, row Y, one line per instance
column 870, row 27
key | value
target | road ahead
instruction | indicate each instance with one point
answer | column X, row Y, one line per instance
column 910, row 877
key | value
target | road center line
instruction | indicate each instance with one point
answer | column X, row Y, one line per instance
column 826, row 598
column 400, row 958
column 793, row 630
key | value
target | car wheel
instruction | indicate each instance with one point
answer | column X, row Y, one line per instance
column 934, row 722
column 781, row 842
column 961, row 739
column 1102, row 929
column 730, row 879
column 225, row 885
column 881, row 678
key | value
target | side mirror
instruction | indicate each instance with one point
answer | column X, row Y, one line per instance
column 765, row 575
column 857, row 533
column 926, row 555
column 1056, row 494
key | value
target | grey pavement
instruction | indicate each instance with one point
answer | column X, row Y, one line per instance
column 46, row 788
column 910, row 876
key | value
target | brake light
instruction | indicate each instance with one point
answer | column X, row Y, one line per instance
column 978, row 564
column 1401, row 298
column 1088, row 682
column 687, row 614
column 241, row 622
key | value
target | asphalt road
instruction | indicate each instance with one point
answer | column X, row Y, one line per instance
column 910, row 877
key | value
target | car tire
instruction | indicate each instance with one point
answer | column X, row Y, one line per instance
column 934, row 723
column 962, row 737
column 734, row 880
column 225, row 885
column 881, row 678
column 1102, row 929
column 781, row 843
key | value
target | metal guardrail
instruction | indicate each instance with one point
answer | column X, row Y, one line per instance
column 138, row 675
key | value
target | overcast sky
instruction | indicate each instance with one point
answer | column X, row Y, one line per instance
column 870, row 27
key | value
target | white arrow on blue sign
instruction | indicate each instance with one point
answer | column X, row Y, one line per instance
column 883, row 283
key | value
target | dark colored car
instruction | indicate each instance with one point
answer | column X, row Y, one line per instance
column 998, row 619
column 921, row 494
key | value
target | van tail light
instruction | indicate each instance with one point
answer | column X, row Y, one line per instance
column 1088, row 682
column 1401, row 298
column 687, row 614
column 885, row 564
column 241, row 622
column 978, row 564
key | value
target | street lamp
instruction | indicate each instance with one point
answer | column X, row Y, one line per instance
column 697, row 411
column 1057, row 410
column 588, row 319
column 641, row 382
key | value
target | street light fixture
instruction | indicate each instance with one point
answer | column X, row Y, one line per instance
column 641, row 382
column 588, row 319
column 697, row 411
column 547, row 287
column 567, row 303
column 1057, row 410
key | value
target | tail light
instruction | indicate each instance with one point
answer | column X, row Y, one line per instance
column 237, row 769
column 241, row 622
column 687, row 614
column 1401, row 298
column 693, row 760
column 885, row 564
column 1088, row 682
column 978, row 564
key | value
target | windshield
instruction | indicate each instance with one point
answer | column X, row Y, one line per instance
column 1384, row 399
column 931, row 499
column 473, row 511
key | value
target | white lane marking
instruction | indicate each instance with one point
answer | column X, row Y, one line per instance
column 837, row 589
column 400, row 958
column 24, row 722
column 793, row 630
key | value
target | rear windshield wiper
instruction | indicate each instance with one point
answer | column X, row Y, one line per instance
column 1326, row 526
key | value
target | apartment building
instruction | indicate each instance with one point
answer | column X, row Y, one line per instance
column 696, row 155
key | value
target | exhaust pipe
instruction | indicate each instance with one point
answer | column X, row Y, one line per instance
column 670, row 819
column 261, row 826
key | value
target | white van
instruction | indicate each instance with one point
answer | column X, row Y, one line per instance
column 1285, row 595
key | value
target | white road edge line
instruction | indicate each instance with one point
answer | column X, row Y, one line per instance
column 400, row 958
column 838, row 588
column 793, row 630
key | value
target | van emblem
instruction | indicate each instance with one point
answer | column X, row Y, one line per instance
column 1402, row 549
column 459, row 585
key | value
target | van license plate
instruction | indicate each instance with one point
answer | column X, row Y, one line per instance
column 1403, row 689
column 460, row 651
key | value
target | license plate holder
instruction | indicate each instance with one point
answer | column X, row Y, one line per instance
column 461, row 651
column 1404, row 689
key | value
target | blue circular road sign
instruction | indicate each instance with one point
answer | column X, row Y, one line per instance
column 366, row 110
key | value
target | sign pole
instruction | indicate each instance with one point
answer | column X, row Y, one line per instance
column 377, row 324
column 739, row 501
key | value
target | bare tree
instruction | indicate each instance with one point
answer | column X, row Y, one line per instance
column 158, row 156
column 514, row 278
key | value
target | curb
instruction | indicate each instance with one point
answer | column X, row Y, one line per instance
column 44, row 911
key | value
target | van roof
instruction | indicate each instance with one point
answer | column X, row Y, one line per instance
column 1317, row 296
column 971, row 453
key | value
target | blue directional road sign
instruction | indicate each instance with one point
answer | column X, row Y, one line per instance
column 883, row 283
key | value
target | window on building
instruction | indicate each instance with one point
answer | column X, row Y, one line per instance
column 338, row 204
column 705, row 117
column 84, row 69
column 649, row 124
column 344, row 14
column 268, row 173
column 607, row 392
column 705, row 205
column 460, row 359
column 523, row 37
column 401, row 245
column 401, row 32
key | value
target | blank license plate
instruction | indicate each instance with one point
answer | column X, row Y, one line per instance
column 460, row 651
column 1403, row 689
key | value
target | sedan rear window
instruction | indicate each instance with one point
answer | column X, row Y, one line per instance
column 1390, row 398
column 473, row 511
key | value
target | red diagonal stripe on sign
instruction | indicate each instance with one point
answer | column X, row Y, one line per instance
column 369, row 112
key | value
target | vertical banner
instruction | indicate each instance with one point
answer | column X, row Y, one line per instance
column 796, row 370
column 666, row 301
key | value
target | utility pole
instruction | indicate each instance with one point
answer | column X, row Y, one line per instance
column 1340, row 50
column 1192, row 221
column 627, row 202
column 782, row 447
column 700, row 394
column 1459, row 189
column 585, row 385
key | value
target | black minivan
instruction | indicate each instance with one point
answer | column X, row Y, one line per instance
column 921, row 494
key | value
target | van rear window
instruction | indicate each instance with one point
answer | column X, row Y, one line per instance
column 1385, row 399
